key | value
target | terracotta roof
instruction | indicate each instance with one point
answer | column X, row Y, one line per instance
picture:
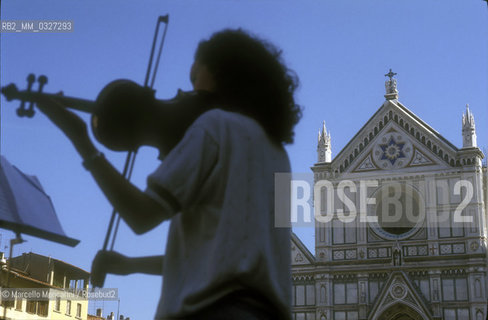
column 58, row 261
column 18, row 274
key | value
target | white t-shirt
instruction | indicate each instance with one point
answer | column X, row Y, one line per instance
column 221, row 176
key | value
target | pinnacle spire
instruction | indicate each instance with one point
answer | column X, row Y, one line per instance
column 468, row 118
column 323, row 147
column 468, row 129
column 324, row 130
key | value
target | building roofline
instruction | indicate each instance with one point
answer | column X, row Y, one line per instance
column 403, row 108
column 19, row 274
column 303, row 248
column 438, row 135
column 61, row 262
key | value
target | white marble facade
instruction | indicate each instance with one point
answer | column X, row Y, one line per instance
column 431, row 268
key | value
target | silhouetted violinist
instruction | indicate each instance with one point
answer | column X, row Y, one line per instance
column 224, row 258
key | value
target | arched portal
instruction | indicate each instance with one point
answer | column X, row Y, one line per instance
column 401, row 311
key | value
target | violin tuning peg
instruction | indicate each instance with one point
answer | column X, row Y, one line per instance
column 12, row 90
column 31, row 78
column 21, row 112
column 29, row 113
column 42, row 79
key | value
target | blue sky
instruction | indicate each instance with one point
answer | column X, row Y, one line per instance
column 339, row 49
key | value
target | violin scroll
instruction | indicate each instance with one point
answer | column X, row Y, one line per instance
column 11, row 92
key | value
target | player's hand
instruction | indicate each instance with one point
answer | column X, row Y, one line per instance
column 71, row 124
column 108, row 262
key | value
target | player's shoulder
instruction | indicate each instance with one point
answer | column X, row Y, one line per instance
column 215, row 118
column 223, row 125
column 217, row 114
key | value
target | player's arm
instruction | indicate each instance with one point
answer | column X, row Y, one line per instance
column 140, row 212
column 116, row 263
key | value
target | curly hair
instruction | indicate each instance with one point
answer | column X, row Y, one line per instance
column 251, row 78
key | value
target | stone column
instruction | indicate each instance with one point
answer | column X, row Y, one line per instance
column 363, row 296
column 435, row 293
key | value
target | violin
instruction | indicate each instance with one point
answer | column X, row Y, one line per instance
column 119, row 114
column 121, row 110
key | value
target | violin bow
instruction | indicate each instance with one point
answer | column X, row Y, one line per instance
column 131, row 155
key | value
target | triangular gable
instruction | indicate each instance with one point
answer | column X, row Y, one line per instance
column 393, row 115
column 399, row 290
column 393, row 148
column 300, row 255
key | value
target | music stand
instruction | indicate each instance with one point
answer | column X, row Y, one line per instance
column 26, row 208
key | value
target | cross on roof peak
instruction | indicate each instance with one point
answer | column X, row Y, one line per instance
column 390, row 74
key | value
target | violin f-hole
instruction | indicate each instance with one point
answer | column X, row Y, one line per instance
column 21, row 111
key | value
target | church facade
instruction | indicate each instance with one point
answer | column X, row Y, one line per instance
column 400, row 230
